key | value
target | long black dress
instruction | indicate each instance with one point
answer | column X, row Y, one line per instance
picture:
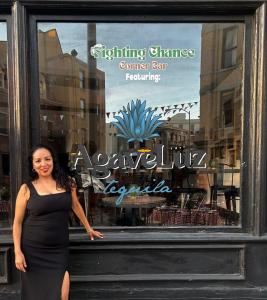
column 44, row 243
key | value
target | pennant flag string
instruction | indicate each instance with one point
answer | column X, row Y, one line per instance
column 165, row 109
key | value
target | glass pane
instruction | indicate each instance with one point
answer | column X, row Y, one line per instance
column 145, row 119
column 230, row 38
column 230, row 47
column 5, row 204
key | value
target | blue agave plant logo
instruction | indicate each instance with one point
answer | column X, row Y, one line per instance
column 137, row 123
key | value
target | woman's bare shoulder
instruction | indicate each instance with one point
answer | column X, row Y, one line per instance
column 24, row 190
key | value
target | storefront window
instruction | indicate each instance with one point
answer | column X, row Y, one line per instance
column 147, row 118
column 5, row 204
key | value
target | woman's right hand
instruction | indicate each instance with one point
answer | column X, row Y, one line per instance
column 20, row 261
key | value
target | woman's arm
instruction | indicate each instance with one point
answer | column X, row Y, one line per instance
column 78, row 210
column 21, row 202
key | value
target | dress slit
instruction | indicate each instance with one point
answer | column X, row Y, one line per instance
column 66, row 271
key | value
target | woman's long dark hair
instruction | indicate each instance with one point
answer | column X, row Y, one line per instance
column 62, row 179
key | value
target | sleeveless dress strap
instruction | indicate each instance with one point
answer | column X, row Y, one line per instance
column 31, row 188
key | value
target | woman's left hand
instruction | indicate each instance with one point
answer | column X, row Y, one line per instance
column 95, row 233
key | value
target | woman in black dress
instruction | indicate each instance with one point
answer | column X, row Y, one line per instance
column 40, row 228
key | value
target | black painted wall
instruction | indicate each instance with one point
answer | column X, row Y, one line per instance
column 159, row 267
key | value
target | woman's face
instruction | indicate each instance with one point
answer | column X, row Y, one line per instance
column 42, row 162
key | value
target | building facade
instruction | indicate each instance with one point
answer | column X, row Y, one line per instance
column 169, row 101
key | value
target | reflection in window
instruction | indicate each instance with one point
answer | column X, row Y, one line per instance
column 3, row 123
column 82, row 79
column 50, row 130
column 2, row 79
column 197, row 102
column 42, row 85
column 5, row 204
column 227, row 99
column 82, row 108
column 230, row 47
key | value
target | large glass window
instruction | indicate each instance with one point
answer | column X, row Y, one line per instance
column 5, row 204
column 147, row 118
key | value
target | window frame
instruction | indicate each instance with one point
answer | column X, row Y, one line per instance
column 82, row 108
column 226, row 50
column 82, row 79
column 225, row 94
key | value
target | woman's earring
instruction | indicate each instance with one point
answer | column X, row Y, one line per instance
column 33, row 170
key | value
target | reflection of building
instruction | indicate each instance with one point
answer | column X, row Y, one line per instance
column 174, row 133
column 220, row 93
column 111, row 139
column 179, row 121
column 67, row 102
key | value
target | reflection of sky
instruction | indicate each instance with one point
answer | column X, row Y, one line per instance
column 3, row 33
column 179, row 83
